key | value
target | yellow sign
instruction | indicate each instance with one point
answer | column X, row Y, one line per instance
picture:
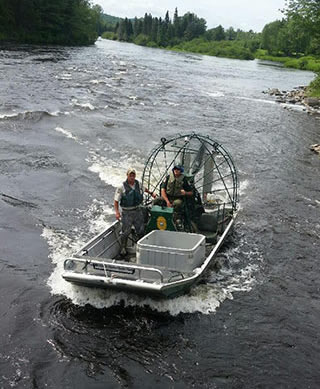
column 161, row 223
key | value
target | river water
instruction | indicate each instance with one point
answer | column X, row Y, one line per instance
column 71, row 121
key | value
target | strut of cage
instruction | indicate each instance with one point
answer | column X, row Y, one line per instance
column 150, row 166
column 234, row 173
column 220, row 150
column 155, row 151
column 222, row 179
column 226, row 156
column 184, row 148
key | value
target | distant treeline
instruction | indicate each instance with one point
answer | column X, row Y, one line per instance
column 65, row 22
column 296, row 35
column 187, row 32
column 78, row 22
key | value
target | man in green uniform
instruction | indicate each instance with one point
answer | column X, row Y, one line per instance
column 175, row 188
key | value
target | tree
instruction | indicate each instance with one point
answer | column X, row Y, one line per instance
column 154, row 29
column 100, row 25
column 216, row 34
column 137, row 27
column 305, row 15
column 44, row 21
column 270, row 36
column 230, row 34
column 177, row 25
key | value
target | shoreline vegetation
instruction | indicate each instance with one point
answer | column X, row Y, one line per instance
column 293, row 41
column 44, row 22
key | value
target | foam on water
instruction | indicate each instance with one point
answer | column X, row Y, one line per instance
column 28, row 115
column 96, row 82
column 114, row 172
column 66, row 133
column 204, row 298
column 86, row 106
column 215, row 94
column 64, row 76
column 255, row 100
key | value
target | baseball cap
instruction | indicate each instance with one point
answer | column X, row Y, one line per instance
column 178, row 167
column 130, row 170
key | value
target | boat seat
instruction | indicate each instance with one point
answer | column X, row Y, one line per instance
column 208, row 225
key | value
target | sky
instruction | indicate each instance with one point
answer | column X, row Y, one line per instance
column 244, row 14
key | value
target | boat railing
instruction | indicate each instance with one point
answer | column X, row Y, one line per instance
column 109, row 267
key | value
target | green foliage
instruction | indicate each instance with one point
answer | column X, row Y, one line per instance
column 295, row 41
column 67, row 22
column 304, row 63
column 187, row 33
column 227, row 49
column 216, row 34
column 141, row 40
column 313, row 89
column 161, row 32
column 109, row 35
column 152, row 44
column 298, row 33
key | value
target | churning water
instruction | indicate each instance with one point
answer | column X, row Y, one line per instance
column 71, row 121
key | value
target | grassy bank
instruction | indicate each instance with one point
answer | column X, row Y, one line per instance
column 313, row 89
column 228, row 49
column 303, row 63
column 237, row 49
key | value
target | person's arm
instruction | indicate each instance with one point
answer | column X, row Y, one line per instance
column 150, row 193
column 187, row 190
column 165, row 197
column 116, row 208
column 186, row 193
column 117, row 198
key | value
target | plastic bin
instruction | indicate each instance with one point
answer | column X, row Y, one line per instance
column 171, row 250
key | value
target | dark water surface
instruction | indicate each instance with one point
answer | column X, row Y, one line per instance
column 71, row 121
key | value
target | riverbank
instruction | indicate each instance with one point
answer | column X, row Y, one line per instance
column 299, row 97
column 307, row 62
column 237, row 49
column 302, row 63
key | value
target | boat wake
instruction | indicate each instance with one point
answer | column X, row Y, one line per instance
column 233, row 276
column 28, row 115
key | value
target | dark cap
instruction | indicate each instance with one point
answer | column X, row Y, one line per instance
column 178, row 167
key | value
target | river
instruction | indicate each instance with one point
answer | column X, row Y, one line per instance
column 71, row 121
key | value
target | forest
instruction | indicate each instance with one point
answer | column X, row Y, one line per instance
column 185, row 33
column 296, row 35
column 63, row 22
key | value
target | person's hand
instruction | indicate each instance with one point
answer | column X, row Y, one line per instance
column 117, row 215
column 153, row 195
column 183, row 192
column 169, row 204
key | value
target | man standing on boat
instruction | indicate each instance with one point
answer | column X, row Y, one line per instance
column 130, row 196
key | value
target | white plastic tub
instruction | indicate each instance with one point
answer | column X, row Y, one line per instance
column 171, row 250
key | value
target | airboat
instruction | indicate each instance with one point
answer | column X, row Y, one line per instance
column 174, row 254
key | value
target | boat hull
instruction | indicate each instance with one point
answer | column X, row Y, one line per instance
column 152, row 281
column 161, row 291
